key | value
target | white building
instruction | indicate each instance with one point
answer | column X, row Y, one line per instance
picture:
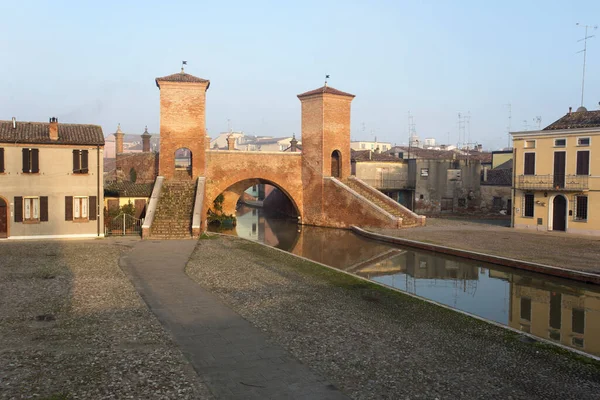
column 361, row 145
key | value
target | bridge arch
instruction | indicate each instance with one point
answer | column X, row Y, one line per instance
column 234, row 191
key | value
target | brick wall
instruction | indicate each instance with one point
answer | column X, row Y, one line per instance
column 145, row 165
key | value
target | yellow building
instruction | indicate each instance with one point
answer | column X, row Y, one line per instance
column 556, row 175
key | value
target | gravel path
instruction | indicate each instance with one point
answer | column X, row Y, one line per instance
column 72, row 326
column 374, row 343
column 558, row 249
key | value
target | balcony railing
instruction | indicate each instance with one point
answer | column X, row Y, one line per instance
column 387, row 183
column 552, row 182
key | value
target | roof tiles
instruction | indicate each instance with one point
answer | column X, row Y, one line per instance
column 38, row 133
column 576, row 120
column 325, row 89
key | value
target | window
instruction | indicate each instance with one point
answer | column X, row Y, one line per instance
column 80, row 161
column 497, row 203
column 525, row 308
column 581, row 208
column 583, row 162
column 578, row 320
column 530, row 144
column 555, row 310
column 560, row 142
column 363, row 146
column 529, row 168
column 31, row 209
column 31, row 162
column 1, row 160
column 528, row 199
column 583, row 141
column 82, row 208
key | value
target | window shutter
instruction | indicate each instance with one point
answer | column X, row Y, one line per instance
column 583, row 163
column 92, row 210
column 44, row 208
column 18, row 209
column 76, row 166
column 84, row 161
column 529, row 164
column 68, row 208
column 35, row 161
column 1, row 160
column 26, row 161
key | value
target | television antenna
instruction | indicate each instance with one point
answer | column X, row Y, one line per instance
column 584, row 51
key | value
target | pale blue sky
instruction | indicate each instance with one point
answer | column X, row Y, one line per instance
column 95, row 62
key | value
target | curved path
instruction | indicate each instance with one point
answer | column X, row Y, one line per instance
column 232, row 357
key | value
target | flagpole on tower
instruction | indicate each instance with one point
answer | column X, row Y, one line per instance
column 326, row 77
column 182, row 64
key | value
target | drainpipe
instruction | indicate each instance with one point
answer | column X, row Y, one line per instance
column 98, row 189
column 514, row 182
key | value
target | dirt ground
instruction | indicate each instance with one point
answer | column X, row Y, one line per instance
column 578, row 252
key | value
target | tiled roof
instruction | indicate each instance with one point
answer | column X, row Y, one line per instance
column 182, row 77
column 363, row 155
column 325, row 89
column 499, row 177
column 576, row 120
column 38, row 133
column 128, row 189
column 430, row 154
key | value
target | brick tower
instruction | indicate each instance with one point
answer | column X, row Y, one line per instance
column 182, row 124
column 325, row 143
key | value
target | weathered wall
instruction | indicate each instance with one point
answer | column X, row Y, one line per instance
column 182, row 125
column 488, row 192
column 145, row 165
column 431, row 189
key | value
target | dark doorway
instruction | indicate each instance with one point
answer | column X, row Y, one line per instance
column 509, row 207
column 559, row 169
column 3, row 219
column 335, row 164
column 559, row 214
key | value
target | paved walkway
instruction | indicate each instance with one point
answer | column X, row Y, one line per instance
column 559, row 249
column 232, row 357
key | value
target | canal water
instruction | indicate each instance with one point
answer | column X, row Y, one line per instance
column 557, row 309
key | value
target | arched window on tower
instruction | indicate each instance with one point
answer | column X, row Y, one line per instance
column 336, row 158
column 183, row 159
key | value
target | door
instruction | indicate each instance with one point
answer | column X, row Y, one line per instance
column 3, row 219
column 559, row 214
column 559, row 169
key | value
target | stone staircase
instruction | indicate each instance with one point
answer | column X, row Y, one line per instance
column 173, row 218
column 374, row 196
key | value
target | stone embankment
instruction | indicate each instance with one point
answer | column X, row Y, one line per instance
column 372, row 342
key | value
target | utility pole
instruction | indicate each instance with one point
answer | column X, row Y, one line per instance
column 584, row 51
column 509, row 127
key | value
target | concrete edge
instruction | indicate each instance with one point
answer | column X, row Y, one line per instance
column 364, row 200
column 385, row 198
column 152, row 204
column 506, row 327
column 473, row 255
column 198, row 204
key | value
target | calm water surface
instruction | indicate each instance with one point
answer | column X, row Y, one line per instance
column 557, row 309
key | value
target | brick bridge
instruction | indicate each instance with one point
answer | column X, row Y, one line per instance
column 317, row 181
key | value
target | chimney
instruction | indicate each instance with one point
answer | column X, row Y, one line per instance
column 570, row 108
column 377, row 150
column 230, row 142
column 14, row 121
column 53, row 128
column 146, row 141
column 207, row 142
column 293, row 143
column 479, row 147
column 119, row 139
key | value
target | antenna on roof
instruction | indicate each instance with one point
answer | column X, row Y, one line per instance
column 584, row 51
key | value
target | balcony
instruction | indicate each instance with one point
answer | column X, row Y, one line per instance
column 572, row 183
column 386, row 184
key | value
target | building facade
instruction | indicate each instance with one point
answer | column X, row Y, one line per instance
column 556, row 176
column 365, row 145
column 51, row 182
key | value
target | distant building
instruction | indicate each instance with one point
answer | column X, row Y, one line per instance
column 132, row 143
column 363, row 145
column 50, row 180
column 245, row 142
column 556, row 185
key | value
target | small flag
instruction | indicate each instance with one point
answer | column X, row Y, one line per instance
column 184, row 62
column 326, row 76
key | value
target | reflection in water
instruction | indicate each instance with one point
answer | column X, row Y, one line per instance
column 557, row 309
